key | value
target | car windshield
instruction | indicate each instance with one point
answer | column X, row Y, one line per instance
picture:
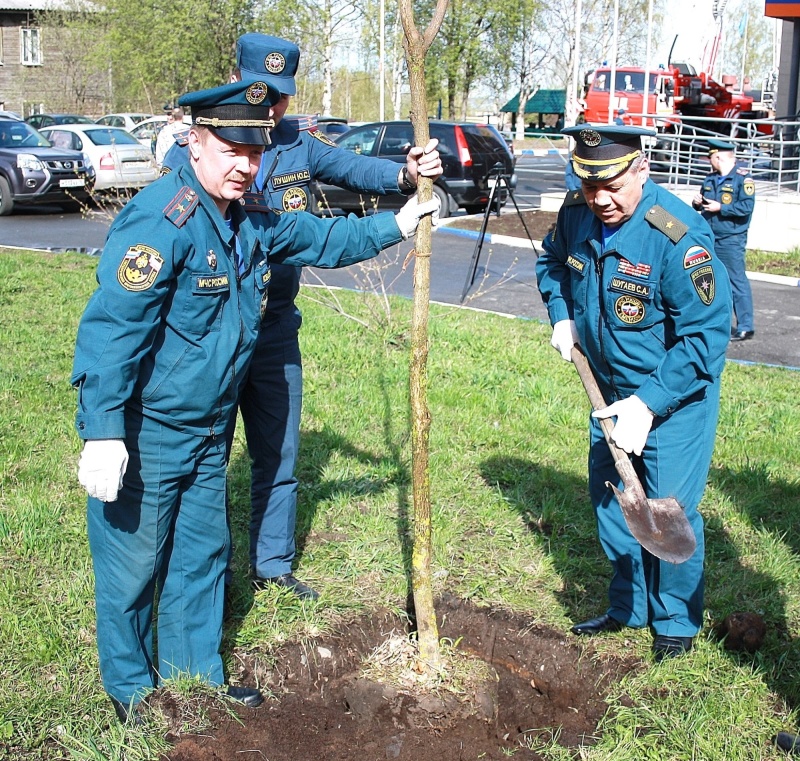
column 73, row 119
column 20, row 134
column 110, row 136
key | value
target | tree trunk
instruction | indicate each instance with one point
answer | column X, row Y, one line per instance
column 416, row 46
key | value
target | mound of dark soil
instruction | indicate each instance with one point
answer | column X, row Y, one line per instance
column 549, row 687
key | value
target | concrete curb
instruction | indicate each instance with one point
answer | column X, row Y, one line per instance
column 507, row 240
column 541, row 152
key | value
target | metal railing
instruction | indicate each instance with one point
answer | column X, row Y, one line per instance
column 769, row 148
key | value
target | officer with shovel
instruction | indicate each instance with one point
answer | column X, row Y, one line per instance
column 630, row 276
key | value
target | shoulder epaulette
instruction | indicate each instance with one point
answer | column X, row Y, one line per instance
column 254, row 201
column 322, row 137
column 742, row 170
column 574, row 198
column 180, row 208
column 182, row 137
column 662, row 220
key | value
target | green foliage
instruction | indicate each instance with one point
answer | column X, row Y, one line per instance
column 513, row 526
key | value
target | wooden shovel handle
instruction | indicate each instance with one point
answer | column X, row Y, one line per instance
column 596, row 398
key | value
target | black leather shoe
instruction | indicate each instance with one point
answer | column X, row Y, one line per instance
column 249, row 696
column 670, row 647
column 742, row 335
column 286, row 581
column 598, row 625
column 127, row 714
column 788, row 742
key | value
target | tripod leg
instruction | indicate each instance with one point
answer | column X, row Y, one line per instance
column 473, row 266
column 514, row 201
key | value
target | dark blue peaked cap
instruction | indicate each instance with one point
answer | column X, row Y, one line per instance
column 603, row 151
column 715, row 145
column 237, row 112
column 271, row 59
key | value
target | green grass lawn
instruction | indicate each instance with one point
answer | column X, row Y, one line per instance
column 508, row 448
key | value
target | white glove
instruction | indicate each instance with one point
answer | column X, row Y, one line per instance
column 408, row 217
column 634, row 421
column 565, row 336
column 102, row 465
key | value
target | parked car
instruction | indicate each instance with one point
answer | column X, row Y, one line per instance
column 125, row 121
column 37, row 121
column 32, row 172
column 332, row 126
column 118, row 158
column 146, row 132
column 11, row 115
column 470, row 154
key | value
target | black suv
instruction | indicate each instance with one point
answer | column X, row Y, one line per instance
column 33, row 172
column 469, row 152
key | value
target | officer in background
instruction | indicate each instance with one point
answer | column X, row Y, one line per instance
column 726, row 202
column 629, row 274
column 166, row 137
column 272, row 397
column 161, row 350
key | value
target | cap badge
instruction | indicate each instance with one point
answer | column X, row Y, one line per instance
column 274, row 63
column 256, row 93
column 590, row 137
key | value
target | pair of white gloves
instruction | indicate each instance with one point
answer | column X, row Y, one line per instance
column 634, row 418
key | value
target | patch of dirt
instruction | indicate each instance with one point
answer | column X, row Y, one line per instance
column 549, row 686
column 508, row 223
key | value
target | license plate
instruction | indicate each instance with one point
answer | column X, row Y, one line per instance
column 137, row 164
column 71, row 183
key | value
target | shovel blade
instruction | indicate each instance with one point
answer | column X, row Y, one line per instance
column 659, row 525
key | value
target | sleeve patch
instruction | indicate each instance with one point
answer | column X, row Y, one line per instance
column 749, row 187
column 322, row 137
column 703, row 281
column 139, row 268
column 180, row 208
column 695, row 255
column 662, row 220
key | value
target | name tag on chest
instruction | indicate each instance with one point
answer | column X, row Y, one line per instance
column 622, row 285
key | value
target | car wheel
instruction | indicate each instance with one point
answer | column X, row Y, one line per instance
column 475, row 208
column 6, row 200
column 444, row 198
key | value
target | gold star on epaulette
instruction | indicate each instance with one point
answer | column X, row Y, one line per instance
column 181, row 208
column 575, row 195
column 670, row 225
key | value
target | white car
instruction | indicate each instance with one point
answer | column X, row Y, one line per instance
column 146, row 132
column 118, row 158
column 125, row 121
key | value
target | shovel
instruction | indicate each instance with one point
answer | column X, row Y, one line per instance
column 659, row 525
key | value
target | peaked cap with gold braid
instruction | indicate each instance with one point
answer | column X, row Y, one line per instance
column 603, row 151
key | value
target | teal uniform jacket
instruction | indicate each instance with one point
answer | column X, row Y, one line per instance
column 736, row 193
column 173, row 324
column 653, row 312
column 290, row 163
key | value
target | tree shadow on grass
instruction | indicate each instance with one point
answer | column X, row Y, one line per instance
column 556, row 509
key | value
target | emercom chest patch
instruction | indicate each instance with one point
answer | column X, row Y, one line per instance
column 703, row 281
column 290, row 178
column 622, row 285
column 575, row 264
column 139, row 268
column 212, row 283
column 630, row 310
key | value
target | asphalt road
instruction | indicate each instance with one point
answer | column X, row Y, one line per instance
column 505, row 281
